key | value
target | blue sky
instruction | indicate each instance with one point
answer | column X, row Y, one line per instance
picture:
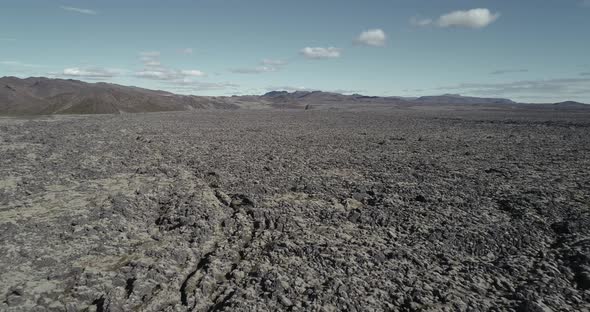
column 527, row 50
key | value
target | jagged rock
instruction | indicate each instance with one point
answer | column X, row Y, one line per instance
column 285, row 301
column 351, row 204
column 223, row 198
column 536, row 306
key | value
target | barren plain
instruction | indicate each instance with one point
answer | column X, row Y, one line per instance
column 417, row 209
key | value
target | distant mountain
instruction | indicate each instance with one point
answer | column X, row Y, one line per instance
column 459, row 99
column 319, row 97
column 303, row 98
column 39, row 95
column 571, row 105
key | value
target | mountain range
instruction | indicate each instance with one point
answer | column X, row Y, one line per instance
column 41, row 96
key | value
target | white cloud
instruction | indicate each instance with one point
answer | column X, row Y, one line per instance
column 509, row 71
column 272, row 62
column 150, row 54
column 266, row 66
column 91, row 73
column 192, row 73
column 79, row 10
column 156, row 74
column 254, row 70
column 186, row 51
column 421, row 22
column 372, row 37
column 187, row 86
column 290, row 88
column 150, row 58
column 151, row 62
column 162, row 73
column 318, row 53
column 153, row 69
column 476, row 18
column 18, row 64
column 347, row 91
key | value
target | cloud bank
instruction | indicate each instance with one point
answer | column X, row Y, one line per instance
column 178, row 80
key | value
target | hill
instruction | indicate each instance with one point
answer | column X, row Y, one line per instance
column 39, row 95
column 45, row 96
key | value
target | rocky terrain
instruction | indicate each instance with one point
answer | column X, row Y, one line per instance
column 405, row 209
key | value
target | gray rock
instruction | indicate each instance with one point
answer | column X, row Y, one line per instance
column 286, row 210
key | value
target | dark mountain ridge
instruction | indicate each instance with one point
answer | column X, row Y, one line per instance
column 571, row 104
column 41, row 96
column 459, row 99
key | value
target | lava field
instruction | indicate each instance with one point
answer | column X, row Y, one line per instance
column 296, row 210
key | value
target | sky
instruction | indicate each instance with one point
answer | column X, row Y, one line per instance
column 526, row 50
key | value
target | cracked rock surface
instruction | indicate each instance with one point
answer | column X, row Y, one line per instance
column 388, row 210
